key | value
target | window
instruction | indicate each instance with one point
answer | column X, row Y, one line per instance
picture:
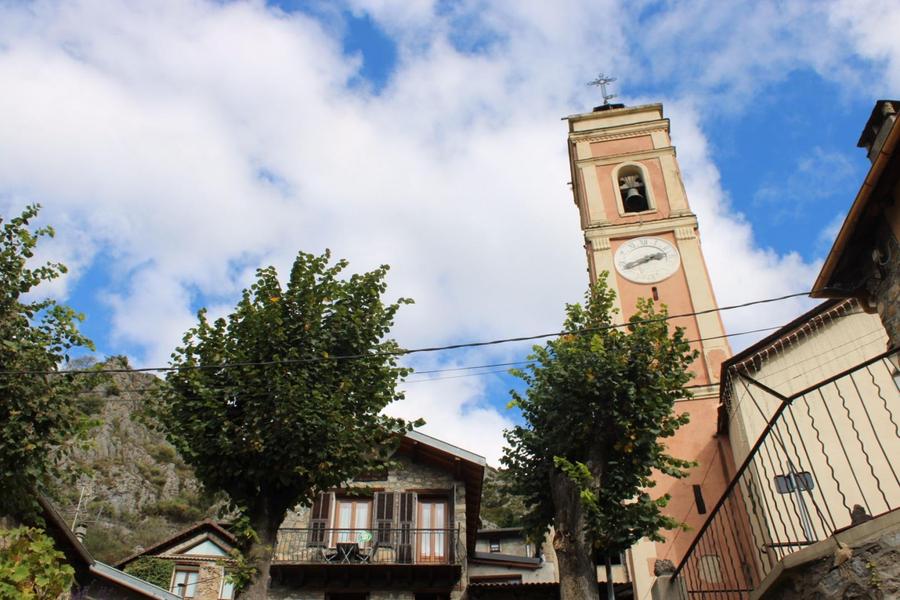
column 495, row 544
column 432, row 523
column 184, row 581
column 227, row 591
column 633, row 189
column 351, row 516
column 785, row 484
column 698, row 500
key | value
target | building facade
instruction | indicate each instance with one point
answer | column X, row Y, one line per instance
column 812, row 414
column 403, row 533
column 640, row 233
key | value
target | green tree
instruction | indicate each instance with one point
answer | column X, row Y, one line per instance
column 600, row 402
column 275, row 435
column 31, row 568
column 37, row 417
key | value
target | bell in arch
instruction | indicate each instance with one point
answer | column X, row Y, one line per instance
column 633, row 198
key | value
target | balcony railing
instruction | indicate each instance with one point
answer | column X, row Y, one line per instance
column 402, row 546
column 826, row 460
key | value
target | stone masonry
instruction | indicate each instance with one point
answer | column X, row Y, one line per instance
column 871, row 572
column 407, row 475
column 885, row 290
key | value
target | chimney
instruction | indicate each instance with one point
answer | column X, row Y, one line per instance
column 878, row 127
column 80, row 532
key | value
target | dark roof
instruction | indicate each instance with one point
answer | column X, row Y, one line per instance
column 841, row 275
column 499, row 531
column 65, row 541
column 527, row 562
column 86, row 568
column 881, row 109
column 824, row 309
column 207, row 525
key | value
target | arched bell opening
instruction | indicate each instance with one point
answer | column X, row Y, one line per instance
column 633, row 190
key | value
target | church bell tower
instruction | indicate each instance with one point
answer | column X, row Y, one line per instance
column 638, row 227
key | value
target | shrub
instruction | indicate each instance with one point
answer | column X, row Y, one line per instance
column 152, row 570
column 177, row 509
column 31, row 568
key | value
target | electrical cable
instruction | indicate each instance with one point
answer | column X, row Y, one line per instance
column 156, row 386
column 404, row 352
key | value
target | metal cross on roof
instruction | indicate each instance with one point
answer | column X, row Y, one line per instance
column 602, row 81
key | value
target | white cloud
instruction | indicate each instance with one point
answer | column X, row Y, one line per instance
column 189, row 142
column 740, row 269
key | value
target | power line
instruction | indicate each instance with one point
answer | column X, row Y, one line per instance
column 157, row 386
column 404, row 352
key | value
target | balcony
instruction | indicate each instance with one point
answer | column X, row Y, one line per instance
column 826, row 463
column 382, row 546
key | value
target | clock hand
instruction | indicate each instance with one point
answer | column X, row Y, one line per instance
column 648, row 258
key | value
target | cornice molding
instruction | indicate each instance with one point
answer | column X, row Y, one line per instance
column 624, row 156
column 685, row 233
column 599, row 242
column 621, row 230
column 603, row 137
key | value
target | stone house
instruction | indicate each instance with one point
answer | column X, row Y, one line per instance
column 403, row 533
column 198, row 557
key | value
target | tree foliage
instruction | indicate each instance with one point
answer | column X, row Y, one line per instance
column 295, row 418
column 37, row 416
column 31, row 568
column 599, row 405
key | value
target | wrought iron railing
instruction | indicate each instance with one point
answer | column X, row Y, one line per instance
column 827, row 459
column 403, row 546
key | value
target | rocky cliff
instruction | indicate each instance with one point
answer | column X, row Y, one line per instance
column 127, row 485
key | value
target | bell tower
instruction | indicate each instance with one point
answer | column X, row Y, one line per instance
column 638, row 227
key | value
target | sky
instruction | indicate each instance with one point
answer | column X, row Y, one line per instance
column 178, row 145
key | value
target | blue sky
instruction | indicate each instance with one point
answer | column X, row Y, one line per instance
column 177, row 146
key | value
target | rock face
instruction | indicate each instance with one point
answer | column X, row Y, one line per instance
column 134, row 488
column 871, row 572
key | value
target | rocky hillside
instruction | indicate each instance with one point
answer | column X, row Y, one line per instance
column 499, row 507
column 133, row 488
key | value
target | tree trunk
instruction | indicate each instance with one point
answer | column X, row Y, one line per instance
column 265, row 521
column 577, row 572
column 610, row 588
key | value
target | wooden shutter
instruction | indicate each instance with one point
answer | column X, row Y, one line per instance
column 384, row 517
column 318, row 519
column 406, row 523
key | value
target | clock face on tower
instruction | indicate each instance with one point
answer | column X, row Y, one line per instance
column 647, row 259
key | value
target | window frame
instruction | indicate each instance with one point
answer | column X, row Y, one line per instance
column 355, row 502
column 188, row 569
column 222, row 595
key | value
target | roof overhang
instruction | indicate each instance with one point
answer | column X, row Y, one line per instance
column 863, row 215
column 205, row 526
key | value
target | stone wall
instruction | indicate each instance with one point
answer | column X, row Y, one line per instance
column 873, row 571
column 885, row 287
